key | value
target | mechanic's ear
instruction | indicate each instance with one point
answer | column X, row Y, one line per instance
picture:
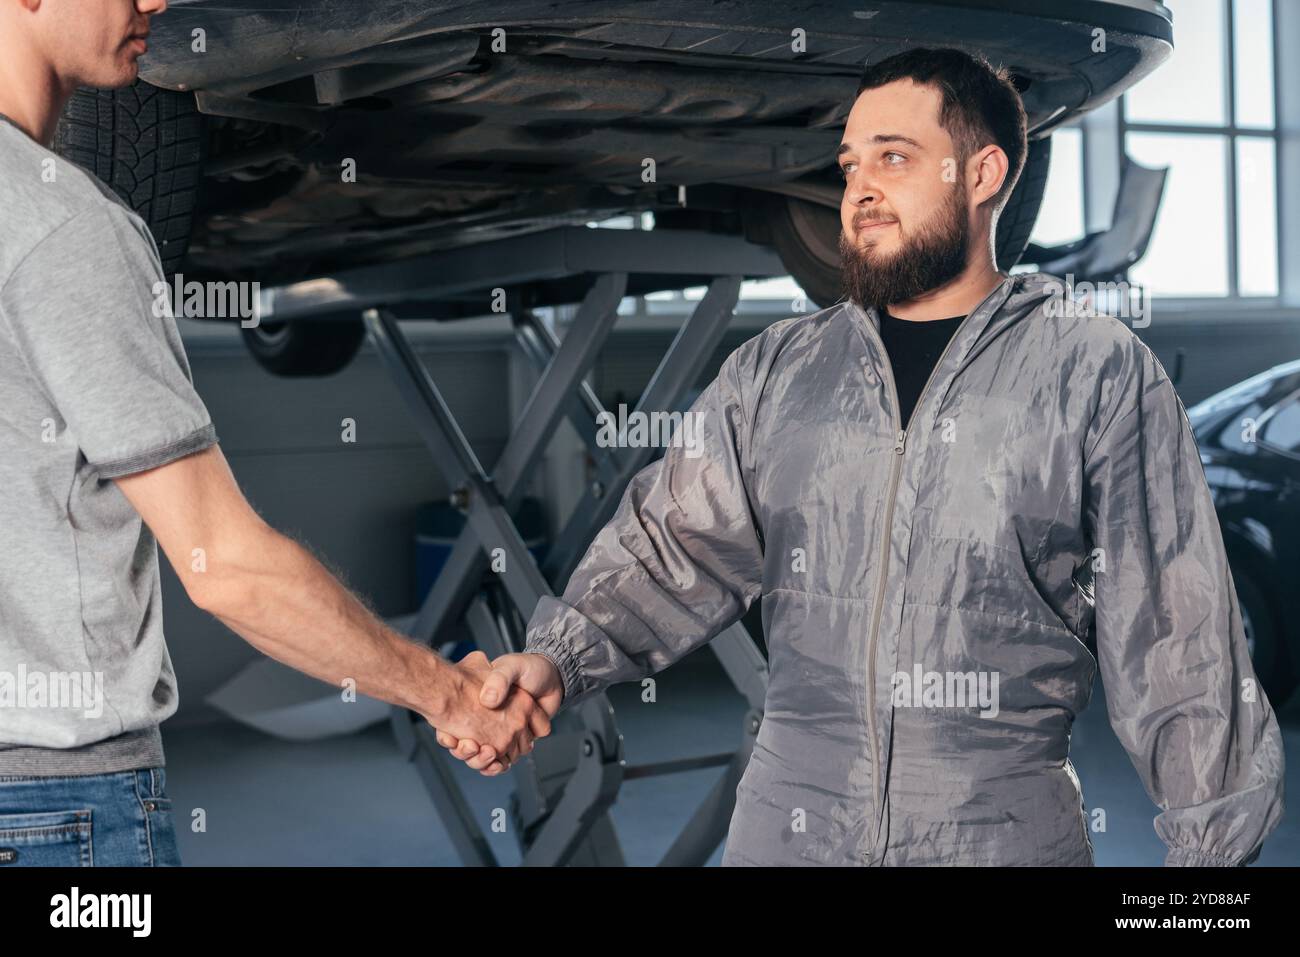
column 989, row 168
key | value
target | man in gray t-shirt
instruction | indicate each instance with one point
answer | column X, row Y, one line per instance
column 104, row 444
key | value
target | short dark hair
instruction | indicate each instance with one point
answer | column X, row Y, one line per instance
column 980, row 103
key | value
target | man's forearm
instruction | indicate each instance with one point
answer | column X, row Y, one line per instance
column 285, row 603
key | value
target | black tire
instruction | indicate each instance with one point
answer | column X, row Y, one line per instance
column 1268, row 653
column 1023, row 205
column 806, row 235
column 148, row 145
column 307, row 348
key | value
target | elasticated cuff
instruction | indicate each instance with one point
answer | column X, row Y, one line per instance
column 552, row 646
column 1189, row 857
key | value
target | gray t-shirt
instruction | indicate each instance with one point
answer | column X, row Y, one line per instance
column 94, row 384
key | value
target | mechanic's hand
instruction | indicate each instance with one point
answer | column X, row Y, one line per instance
column 488, row 739
column 509, row 676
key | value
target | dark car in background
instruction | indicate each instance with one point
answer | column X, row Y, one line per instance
column 469, row 121
column 1249, row 436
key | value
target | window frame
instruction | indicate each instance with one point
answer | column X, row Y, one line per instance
column 1231, row 133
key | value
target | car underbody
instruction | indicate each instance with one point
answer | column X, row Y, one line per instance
column 471, row 121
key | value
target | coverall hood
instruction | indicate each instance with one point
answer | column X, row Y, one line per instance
column 931, row 597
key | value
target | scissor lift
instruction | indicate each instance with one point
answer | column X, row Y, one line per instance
column 565, row 788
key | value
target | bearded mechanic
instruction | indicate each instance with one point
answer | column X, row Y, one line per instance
column 953, row 450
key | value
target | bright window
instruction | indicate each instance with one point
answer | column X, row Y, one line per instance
column 1188, row 254
column 1208, row 113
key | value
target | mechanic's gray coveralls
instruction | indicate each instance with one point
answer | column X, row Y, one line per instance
column 1043, row 435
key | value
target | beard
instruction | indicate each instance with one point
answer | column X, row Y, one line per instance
column 935, row 256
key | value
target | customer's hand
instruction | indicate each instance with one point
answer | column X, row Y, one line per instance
column 488, row 738
column 502, row 681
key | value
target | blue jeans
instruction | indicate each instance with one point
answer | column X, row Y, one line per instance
column 122, row 819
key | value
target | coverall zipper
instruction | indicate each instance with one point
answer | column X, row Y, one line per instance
column 900, row 447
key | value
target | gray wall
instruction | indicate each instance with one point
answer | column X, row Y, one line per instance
column 1220, row 347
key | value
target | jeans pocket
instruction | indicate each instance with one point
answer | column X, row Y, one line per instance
column 47, row 839
column 152, row 785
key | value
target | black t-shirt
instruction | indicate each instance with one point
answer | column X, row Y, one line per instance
column 914, row 349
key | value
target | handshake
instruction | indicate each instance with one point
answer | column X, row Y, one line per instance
column 494, row 711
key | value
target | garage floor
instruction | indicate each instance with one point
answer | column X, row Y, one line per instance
column 353, row 801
